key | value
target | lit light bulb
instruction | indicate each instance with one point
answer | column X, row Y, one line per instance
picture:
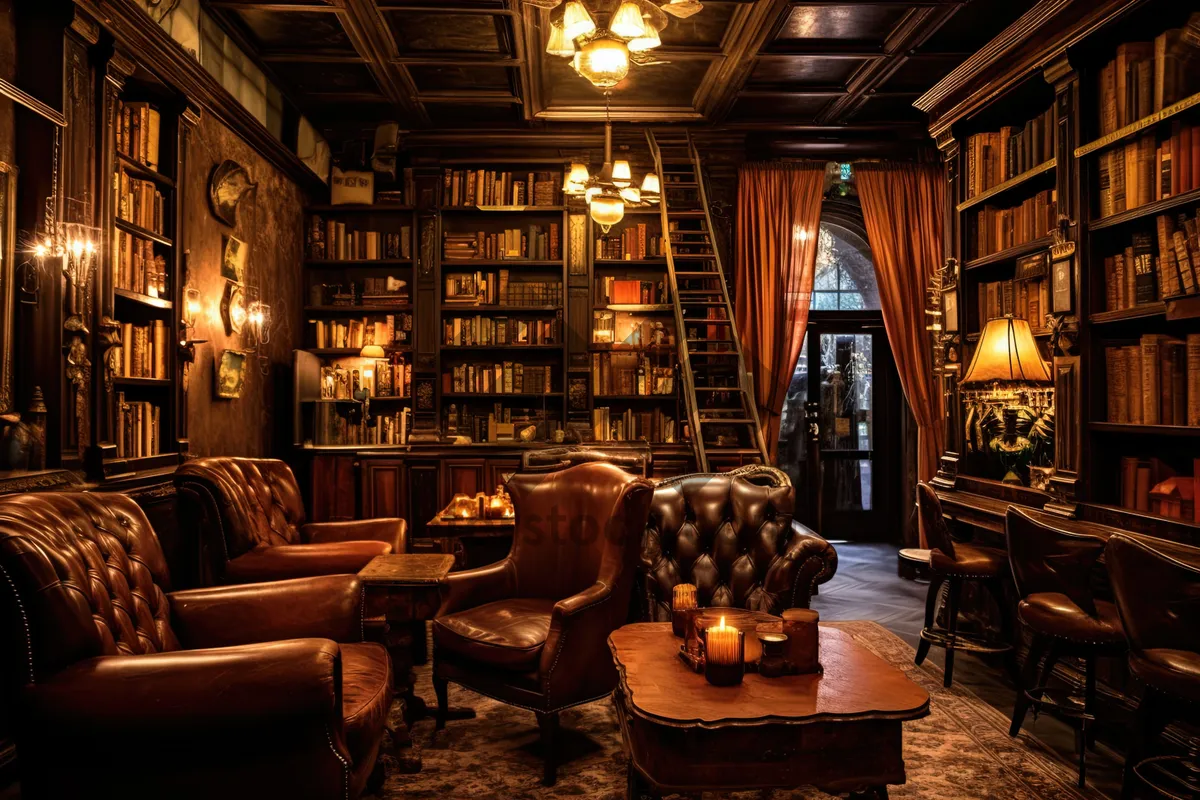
column 40, row 251
column 627, row 22
column 76, row 248
column 606, row 210
column 622, row 176
column 89, row 247
column 577, row 21
column 604, row 62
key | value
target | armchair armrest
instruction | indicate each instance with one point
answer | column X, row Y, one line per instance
column 384, row 529
column 302, row 561
column 189, row 691
column 326, row 607
column 807, row 561
column 475, row 587
column 586, row 620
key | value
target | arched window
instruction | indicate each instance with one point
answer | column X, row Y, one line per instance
column 845, row 274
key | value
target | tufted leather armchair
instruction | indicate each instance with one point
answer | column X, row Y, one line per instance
column 122, row 688
column 532, row 630
column 635, row 461
column 732, row 535
column 251, row 524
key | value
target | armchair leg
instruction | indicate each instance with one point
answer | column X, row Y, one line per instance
column 441, row 687
column 1037, row 648
column 548, row 724
column 935, row 587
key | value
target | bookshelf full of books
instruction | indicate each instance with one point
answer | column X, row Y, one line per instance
column 140, row 421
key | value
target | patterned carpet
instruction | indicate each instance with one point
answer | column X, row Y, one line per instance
column 961, row 751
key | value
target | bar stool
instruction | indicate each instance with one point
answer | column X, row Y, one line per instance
column 1052, row 569
column 1158, row 596
column 952, row 563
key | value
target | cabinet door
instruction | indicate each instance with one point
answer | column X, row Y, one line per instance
column 383, row 488
column 498, row 471
column 670, row 467
column 333, row 490
column 463, row 476
column 423, row 490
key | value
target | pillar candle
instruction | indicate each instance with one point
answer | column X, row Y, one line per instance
column 723, row 644
column 803, row 643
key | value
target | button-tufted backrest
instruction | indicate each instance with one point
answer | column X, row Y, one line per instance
column 723, row 532
column 81, row 575
column 241, row 503
column 551, row 459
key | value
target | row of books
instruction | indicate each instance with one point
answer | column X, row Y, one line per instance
column 506, row 377
column 631, row 291
column 1148, row 484
column 138, row 428
column 620, row 373
column 137, row 134
column 495, row 288
column 1028, row 300
column 1154, row 382
column 996, row 156
column 341, row 380
column 477, row 187
column 501, row 423
column 1146, row 170
column 1154, row 267
column 534, row 243
column 141, row 203
column 330, row 240
column 480, row 330
column 391, row 379
column 379, row 291
column 1145, row 77
column 994, row 229
column 630, row 329
column 631, row 426
column 386, row 331
column 137, row 268
column 333, row 428
column 143, row 350
column 635, row 241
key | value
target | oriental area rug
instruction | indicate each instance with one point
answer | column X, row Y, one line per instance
column 961, row 751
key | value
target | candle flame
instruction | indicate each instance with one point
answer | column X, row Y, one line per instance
column 722, row 625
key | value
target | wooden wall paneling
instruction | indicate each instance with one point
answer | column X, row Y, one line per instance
column 424, row 482
column 332, row 488
column 579, row 326
column 498, row 471
column 462, row 476
column 383, row 488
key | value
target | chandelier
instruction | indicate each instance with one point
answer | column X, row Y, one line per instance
column 603, row 54
column 610, row 190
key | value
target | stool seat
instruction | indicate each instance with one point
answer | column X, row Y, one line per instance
column 969, row 561
column 1055, row 614
column 1176, row 672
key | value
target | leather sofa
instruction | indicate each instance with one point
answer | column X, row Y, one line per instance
column 532, row 630
column 635, row 461
column 251, row 527
column 122, row 688
column 732, row 535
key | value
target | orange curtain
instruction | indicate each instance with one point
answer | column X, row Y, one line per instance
column 779, row 211
column 903, row 207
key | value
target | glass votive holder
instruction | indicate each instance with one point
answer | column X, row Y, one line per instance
column 724, row 659
column 773, row 663
column 683, row 600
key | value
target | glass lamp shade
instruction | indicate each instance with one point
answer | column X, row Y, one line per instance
column 631, row 194
column 590, row 193
column 559, row 44
column 577, row 179
column 577, row 21
column 647, row 41
column 682, row 9
column 607, row 210
column 1007, row 353
column 372, row 351
column 622, row 176
column 604, row 62
column 650, row 184
column 627, row 22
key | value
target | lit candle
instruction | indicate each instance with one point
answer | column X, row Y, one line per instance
column 722, row 644
column 683, row 602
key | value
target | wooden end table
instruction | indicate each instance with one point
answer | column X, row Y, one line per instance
column 839, row 731
column 402, row 591
column 473, row 542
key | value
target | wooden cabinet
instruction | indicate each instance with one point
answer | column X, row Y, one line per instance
column 424, row 492
column 332, row 489
column 384, row 493
column 463, row 476
column 498, row 472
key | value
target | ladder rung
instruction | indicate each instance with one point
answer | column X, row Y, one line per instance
column 699, row 321
column 687, row 213
column 726, row 420
column 695, row 256
column 703, row 274
column 718, row 389
column 703, row 303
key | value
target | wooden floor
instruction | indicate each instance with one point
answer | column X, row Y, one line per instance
column 866, row 586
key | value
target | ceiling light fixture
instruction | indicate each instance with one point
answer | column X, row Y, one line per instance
column 610, row 190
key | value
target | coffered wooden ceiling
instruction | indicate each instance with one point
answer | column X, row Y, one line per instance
column 797, row 74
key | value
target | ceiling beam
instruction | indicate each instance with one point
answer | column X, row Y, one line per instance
column 458, row 60
column 285, row 7
column 749, row 30
column 497, row 97
column 312, row 57
column 372, row 39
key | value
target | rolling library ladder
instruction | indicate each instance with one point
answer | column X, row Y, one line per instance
column 717, row 387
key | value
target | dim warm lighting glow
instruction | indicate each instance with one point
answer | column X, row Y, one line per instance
column 606, row 211
column 40, row 251
column 631, row 194
column 372, row 351
column 1007, row 353
column 650, row 184
column 800, row 233
column 622, row 176
column 683, row 9
column 577, row 21
column 627, row 22
column 559, row 44
column 647, row 41
column 604, row 62
column 591, row 193
column 76, row 248
column 576, row 180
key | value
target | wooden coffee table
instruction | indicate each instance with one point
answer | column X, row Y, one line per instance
column 839, row 731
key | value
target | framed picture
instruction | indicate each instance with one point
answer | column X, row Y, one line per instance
column 950, row 311
column 233, row 259
column 1061, row 290
column 231, row 375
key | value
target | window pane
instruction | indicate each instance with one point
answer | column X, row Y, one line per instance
column 850, row 301
column 791, row 423
column 825, row 301
column 846, row 399
column 844, row 266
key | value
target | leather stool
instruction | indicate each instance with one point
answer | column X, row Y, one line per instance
column 953, row 563
column 1158, row 597
column 1052, row 569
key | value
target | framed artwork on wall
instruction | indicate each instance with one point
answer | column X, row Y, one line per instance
column 231, row 374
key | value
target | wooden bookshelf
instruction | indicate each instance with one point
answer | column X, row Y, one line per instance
column 1009, row 253
column 1012, row 183
column 1146, row 210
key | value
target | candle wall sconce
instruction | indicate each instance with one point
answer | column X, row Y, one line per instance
column 233, row 308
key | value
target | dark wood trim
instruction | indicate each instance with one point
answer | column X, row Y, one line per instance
column 14, row 93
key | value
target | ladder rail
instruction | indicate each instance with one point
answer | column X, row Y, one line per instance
column 685, row 363
column 744, row 373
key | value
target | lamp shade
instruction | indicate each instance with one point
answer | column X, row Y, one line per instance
column 650, row 184
column 647, row 41
column 622, row 175
column 606, row 210
column 627, row 22
column 576, row 20
column 559, row 44
column 1007, row 353
column 372, row 351
column 576, row 180
column 604, row 62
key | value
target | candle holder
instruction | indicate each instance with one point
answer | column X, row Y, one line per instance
column 683, row 600
column 773, row 663
column 727, row 666
column 800, row 625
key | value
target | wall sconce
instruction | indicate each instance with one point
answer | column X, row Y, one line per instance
column 233, row 308
column 259, row 318
column 192, row 305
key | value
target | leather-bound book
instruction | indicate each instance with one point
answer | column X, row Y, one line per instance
column 1133, row 383
column 1129, row 481
column 1151, row 377
column 1112, row 376
column 1118, row 386
column 1193, row 379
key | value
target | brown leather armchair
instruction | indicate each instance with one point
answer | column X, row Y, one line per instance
column 251, row 527
column 732, row 535
column 532, row 630
column 635, row 461
column 121, row 688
